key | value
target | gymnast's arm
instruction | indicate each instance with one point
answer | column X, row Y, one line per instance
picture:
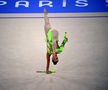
column 61, row 47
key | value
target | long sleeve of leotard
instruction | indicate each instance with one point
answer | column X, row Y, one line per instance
column 60, row 49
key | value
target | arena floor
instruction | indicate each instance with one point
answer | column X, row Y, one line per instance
column 83, row 65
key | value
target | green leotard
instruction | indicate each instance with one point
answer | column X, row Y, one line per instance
column 49, row 43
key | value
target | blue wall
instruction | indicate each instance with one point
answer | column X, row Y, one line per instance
column 57, row 6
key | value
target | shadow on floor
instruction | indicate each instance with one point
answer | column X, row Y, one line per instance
column 50, row 72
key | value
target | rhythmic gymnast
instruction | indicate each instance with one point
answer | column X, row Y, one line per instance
column 53, row 47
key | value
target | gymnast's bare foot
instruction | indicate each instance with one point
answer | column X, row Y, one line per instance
column 45, row 11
